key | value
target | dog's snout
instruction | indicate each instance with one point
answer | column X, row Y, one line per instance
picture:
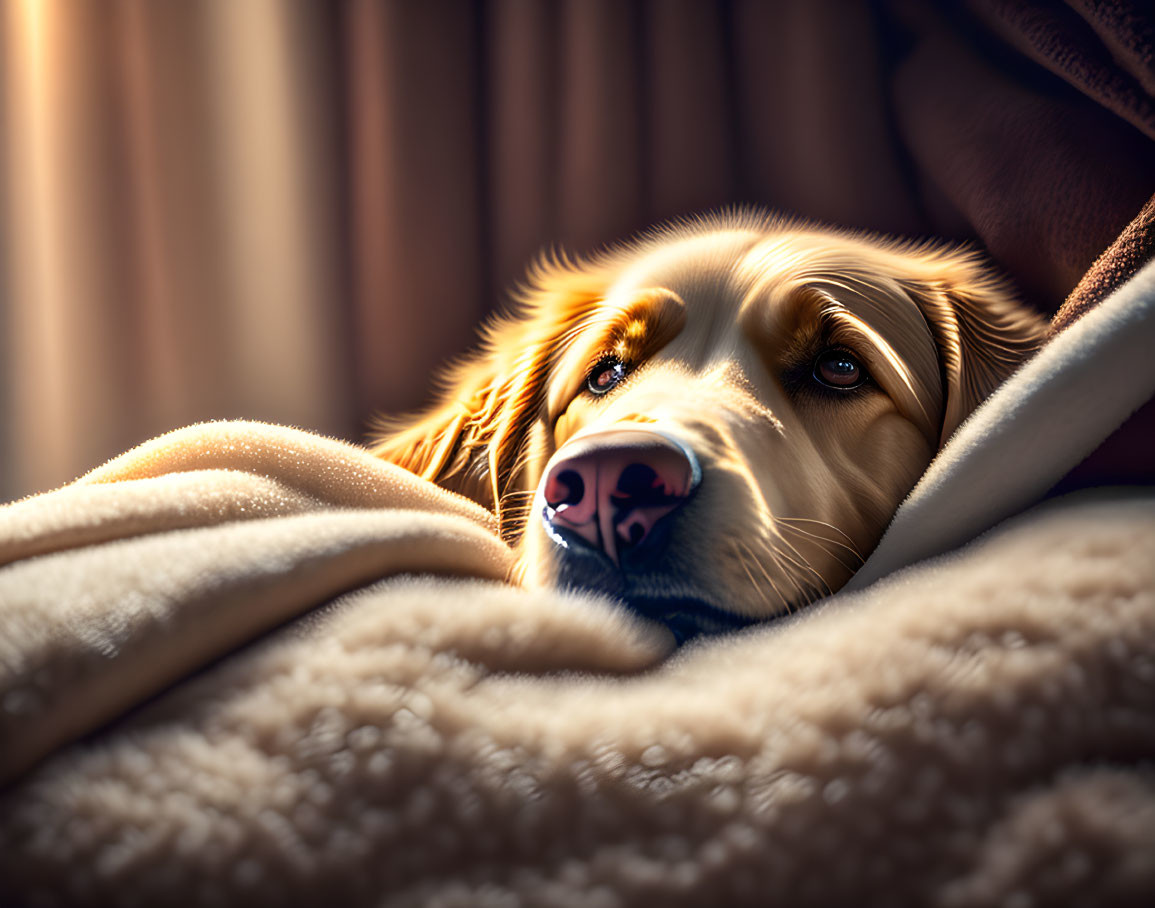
column 612, row 488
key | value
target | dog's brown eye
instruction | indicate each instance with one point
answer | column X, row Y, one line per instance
column 839, row 369
column 606, row 375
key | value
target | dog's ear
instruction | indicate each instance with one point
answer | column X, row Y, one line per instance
column 471, row 440
column 982, row 333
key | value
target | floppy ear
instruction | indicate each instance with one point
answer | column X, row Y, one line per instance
column 982, row 333
column 472, row 439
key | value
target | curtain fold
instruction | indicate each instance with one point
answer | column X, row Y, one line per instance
column 293, row 211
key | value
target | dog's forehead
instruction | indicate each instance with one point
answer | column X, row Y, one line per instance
column 739, row 265
column 692, row 266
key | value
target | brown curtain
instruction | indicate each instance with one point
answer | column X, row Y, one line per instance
column 293, row 211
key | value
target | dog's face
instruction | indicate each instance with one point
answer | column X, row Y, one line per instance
column 716, row 424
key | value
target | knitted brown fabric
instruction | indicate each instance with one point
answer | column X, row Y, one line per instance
column 1133, row 249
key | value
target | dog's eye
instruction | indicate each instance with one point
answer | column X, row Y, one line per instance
column 606, row 375
column 839, row 369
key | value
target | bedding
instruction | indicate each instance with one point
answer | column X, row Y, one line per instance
column 245, row 664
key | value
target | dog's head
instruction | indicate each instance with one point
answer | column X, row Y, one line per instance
column 716, row 423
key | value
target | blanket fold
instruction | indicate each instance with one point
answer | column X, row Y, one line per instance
column 144, row 580
column 428, row 741
column 216, row 473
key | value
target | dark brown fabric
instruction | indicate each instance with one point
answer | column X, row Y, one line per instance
column 1045, row 177
column 295, row 212
column 1134, row 248
column 1128, row 455
column 1104, row 48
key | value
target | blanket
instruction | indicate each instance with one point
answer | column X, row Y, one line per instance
column 245, row 664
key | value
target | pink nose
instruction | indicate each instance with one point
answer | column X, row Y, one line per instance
column 612, row 488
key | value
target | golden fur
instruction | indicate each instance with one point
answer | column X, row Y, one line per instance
column 721, row 319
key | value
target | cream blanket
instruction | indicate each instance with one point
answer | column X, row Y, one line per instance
column 245, row 665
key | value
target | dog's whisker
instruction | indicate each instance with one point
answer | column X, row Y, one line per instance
column 822, row 541
column 787, row 524
column 786, row 572
column 788, row 602
column 746, row 570
column 817, row 542
column 769, row 579
column 822, row 523
column 802, row 563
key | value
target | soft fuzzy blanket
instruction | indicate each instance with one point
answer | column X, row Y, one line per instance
column 246, row 665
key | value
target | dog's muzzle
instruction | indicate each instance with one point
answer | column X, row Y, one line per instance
column 610, row 499
column 613, row 489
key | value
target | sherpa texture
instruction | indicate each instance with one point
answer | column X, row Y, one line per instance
column 962, row 734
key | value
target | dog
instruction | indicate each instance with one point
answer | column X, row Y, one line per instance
column 715, row 422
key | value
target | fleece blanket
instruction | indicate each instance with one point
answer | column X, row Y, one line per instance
column 243, row 664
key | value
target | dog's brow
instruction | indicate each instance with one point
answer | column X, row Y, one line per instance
column 912, row 400
column 631, row 329
column 650, row 318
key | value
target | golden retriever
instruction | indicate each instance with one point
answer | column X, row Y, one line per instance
column 715, row 422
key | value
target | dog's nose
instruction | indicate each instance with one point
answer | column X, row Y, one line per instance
column 612, row 488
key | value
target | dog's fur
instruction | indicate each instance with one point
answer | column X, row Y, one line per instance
column 721, row 320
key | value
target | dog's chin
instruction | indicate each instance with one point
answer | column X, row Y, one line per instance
column 676, row 602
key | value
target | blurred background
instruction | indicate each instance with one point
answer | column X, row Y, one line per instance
column 294, row 210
